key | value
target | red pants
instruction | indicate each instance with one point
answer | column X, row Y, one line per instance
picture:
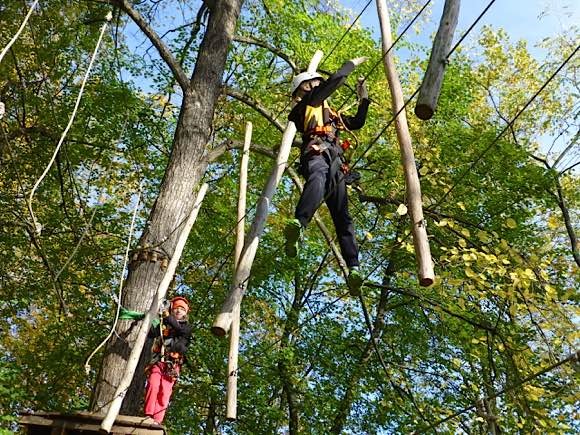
column 158, row 391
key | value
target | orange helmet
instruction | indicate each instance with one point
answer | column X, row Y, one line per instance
column 179, row 301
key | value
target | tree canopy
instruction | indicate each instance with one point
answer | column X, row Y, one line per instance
column 501, row 208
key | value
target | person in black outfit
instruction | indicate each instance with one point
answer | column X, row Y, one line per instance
column 321, row 160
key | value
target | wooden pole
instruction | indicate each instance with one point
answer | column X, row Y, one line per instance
column 420, row 241
column 431, row 86
column 223, row 320
column 232, row 389
column 133, row 360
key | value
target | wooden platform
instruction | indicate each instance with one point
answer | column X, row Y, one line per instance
column 86, row 423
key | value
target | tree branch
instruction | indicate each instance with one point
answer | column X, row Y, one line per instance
column 568, row 223
column 163, row 50
column 276, row 51
column 246, row 99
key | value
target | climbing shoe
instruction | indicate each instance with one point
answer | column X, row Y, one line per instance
column 355, row 281
column 292, row 232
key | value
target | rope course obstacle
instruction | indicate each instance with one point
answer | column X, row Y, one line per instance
column 230, row 317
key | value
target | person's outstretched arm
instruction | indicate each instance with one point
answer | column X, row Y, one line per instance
column 325, row 89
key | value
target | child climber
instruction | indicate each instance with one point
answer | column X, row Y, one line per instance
column 321, row 160
column 169, row 347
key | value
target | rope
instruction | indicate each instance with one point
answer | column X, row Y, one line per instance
column 36, row 225
column 15, row 37
column 477, row 159
column 125, row 260
column 346, row 32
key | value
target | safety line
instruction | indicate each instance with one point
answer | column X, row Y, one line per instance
column 121, row 279
column 15, row 37
column 37, row 227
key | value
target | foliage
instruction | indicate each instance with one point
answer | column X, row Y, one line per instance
column 502, row 308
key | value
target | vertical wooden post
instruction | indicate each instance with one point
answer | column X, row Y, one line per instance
column 133, row 360
column 232, row 389
column 223, row 320
column 420, row 241
column 431, row 86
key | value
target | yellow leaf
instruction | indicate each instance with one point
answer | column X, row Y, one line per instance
column 462, row 243
column 465, row 232
column 402, row 210
column 470, row 273
column 461, row 206
column 483, row 236
column 553, row 222
column 368, row 236
column 510, row 223
column 424, row 170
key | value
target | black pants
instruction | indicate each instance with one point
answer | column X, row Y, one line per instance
column 320, row 187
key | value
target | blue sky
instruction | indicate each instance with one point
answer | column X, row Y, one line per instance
column 531, row 20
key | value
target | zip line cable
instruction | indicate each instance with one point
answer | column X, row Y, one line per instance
column 36, row 225
column 345, row 33
column 477, row 159
column 469, row 29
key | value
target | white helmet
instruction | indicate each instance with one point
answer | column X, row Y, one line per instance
column 303, row 77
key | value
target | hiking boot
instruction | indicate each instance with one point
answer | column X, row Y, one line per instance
column 292, row 232
column 355, row 281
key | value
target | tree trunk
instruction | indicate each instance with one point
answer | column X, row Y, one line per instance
column 286, row 366
column 186, row 166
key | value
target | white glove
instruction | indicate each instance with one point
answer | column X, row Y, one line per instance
column 361, row 89
column 358, row 60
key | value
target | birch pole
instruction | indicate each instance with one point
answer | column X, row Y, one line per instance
column 232, row 389
column 431, row 85
column 223, row 320
column 133, row 359
column 419, row 231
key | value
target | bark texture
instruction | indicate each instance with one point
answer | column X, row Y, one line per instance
column 187, row 164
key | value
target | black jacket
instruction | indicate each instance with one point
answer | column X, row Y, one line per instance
column 176, row 333
column 316, row 97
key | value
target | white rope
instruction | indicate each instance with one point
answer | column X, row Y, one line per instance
column 37, row 226
column 15, row 37
column 87, row 362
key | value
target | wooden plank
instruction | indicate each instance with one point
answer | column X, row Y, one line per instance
column 232, row 387
column 89, row 422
